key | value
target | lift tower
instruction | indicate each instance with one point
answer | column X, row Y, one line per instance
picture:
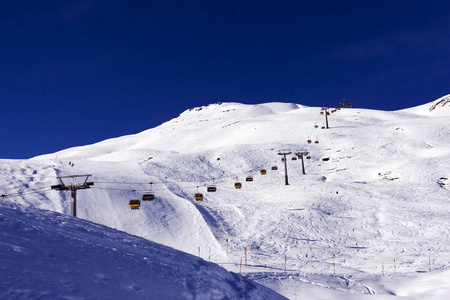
column 73, row 189
column 284, row 153
column 301, row 154
column 326, row 115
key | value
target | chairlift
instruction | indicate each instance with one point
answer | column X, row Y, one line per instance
column 198, row 196
column 150, row 196
column 134, row 204
column 211, row 188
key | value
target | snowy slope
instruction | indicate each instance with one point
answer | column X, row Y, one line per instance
column 439, row 107
column 382, row 195
column 46, row 255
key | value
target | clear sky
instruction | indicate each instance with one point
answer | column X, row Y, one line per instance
column 78, row 72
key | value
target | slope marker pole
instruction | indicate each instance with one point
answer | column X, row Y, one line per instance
column 245, row 252
column 285, row 263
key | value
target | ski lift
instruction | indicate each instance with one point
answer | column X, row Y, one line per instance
column 325, row 159
column 237, row 184
column 323, row 127
column 150, row 196
column 316, row 141
column 212, row 188
column 308, row 157
column 274, row 167
column 316, row 126
column 282, row 159
column 309, row 141
column 249, row 178
column 263, row 172
column 299, row 156
column 134, row 204
column 294, row 158
column 198, row 196
column 321, row 112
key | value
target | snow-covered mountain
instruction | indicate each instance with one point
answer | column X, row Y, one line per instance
column 46, row 255
column 375, row 191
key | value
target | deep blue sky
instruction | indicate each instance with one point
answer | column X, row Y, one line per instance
column 78, row 72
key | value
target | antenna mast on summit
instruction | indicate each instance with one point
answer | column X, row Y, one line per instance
column 73, row 189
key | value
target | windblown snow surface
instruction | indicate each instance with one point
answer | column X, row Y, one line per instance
column 369, row 219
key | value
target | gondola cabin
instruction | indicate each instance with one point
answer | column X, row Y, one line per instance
column 309, row 141
column 134, row 204
column 263, row 172
column 321, row 112
column 198, row 197
column 316, row 142
column 325, row 159
column 294, row 158
column 328, row 113
column 274, row 168
column 148, row 197
column 323, row 127
column 282, row 160
column 249, row 178
column 316, row 126
column 308, row 157
column 300, row 157
column 211, row 189
column 238, row 185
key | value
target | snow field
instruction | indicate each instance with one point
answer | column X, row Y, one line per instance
column 376, row 199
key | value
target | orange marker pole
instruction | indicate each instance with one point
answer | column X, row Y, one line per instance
column 429, row 263
column 245, row 250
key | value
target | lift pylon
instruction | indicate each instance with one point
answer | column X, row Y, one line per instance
column 73, row 189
